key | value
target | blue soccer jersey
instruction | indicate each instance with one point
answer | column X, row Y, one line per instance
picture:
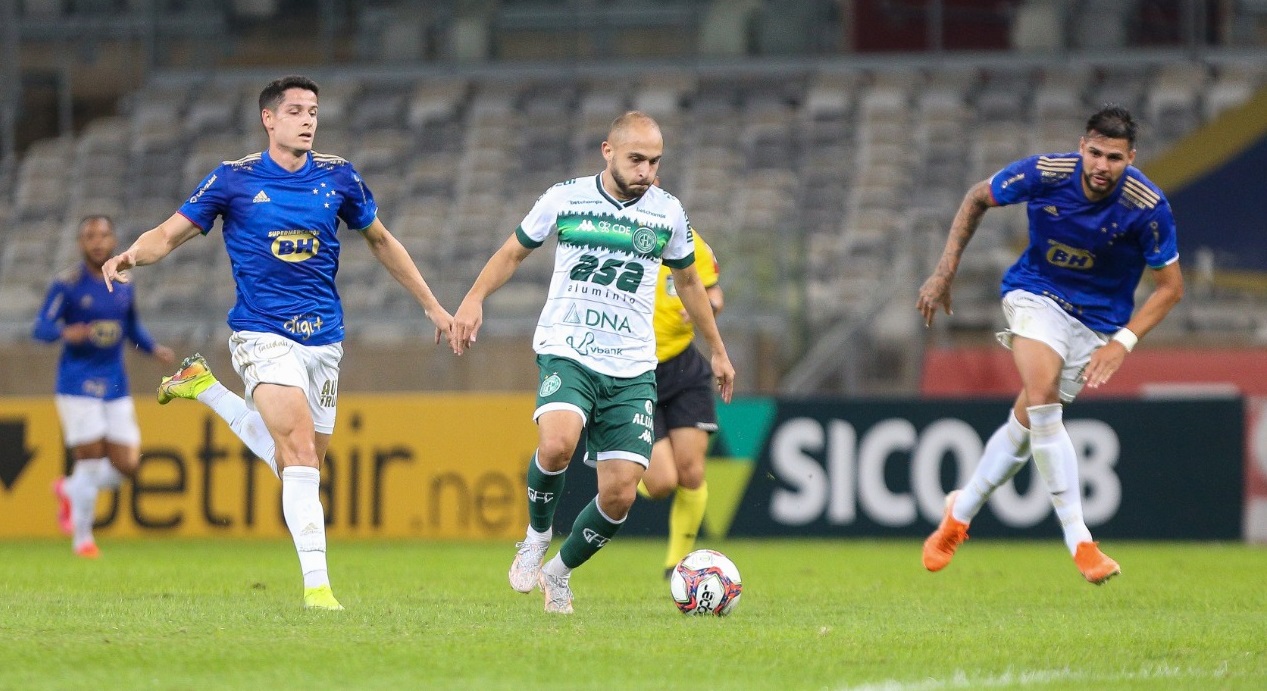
column 280, row 230
column 95, row 367
column 1086, row 256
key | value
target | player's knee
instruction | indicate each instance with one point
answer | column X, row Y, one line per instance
column 658, row 486
column 554, row 452
column 691, row 477
column 616, row 501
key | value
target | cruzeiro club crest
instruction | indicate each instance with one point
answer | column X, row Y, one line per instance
column 550, row 385
column 644, row 240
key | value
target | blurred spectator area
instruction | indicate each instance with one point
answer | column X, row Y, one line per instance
column 825, row 188
column 820, row 158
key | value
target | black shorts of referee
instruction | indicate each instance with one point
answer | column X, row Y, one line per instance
column 684, row 386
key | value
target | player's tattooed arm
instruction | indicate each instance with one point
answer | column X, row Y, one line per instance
column 935, row 293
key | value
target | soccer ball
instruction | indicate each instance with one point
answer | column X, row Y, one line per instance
column 705, row 582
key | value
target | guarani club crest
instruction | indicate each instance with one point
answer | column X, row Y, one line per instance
column 612, row 233
column 550, row 385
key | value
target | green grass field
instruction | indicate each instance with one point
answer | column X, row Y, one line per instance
column 814, row 615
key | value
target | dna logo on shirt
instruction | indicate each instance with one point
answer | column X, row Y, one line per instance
column 295, row 245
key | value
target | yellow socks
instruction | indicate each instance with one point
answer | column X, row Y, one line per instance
column 684, row 521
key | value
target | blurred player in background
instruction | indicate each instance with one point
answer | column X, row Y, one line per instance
column 281, row 211
column 1095, row 222
column 93, row 400
column 594, row 341
column 686, row 412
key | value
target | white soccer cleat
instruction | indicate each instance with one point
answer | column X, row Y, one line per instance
column 557, row 591
column 527, row 564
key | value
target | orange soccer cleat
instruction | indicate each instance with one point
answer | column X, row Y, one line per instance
column 63, row 506
column 1095, row 565
column 940, row 547
column 88, row 550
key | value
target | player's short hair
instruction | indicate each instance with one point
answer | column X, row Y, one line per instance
column 96, row 217
column 1113, row 121
column 271, row 96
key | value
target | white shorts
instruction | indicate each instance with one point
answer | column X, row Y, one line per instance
column 264, row 358
column 1040, row 318
column 86, row 420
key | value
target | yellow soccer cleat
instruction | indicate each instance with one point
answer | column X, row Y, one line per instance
column 191, row 379
column 321, row 597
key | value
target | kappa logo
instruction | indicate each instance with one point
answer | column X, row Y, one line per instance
column 260, row 198
column 586, row 225
column 551, row 384
column 543, row 497
column 594, row 538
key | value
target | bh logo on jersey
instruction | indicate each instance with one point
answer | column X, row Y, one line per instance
column 105, row 332
column 1069, row 257
column 295, row 245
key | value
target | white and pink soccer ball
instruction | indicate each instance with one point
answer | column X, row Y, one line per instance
column 706, row 582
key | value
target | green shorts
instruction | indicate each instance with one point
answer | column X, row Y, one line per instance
column 617, row 412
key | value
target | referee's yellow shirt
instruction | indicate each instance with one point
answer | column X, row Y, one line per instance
column 673, row 332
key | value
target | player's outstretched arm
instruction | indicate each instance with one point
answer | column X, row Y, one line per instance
column 695, row 299
column 470, row 315
column 150, row 247
column 935, row 293
column 1166, row 294
column 393, row 255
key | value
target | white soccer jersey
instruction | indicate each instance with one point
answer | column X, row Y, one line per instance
column 602, row 294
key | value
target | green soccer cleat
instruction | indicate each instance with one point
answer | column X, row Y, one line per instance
column 191, row 379
column 321, row 597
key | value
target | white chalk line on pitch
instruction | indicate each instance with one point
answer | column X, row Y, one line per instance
column 962, row 680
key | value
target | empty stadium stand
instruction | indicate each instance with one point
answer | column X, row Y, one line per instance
column 826, row 185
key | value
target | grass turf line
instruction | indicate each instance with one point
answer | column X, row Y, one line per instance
column 815, row 614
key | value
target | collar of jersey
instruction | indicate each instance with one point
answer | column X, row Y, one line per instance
column 270, row 166
column 598, row 182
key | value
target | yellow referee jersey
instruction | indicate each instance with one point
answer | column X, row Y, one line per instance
column 673, row 332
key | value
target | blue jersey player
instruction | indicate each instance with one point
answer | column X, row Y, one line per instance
column 1095, row 222
column 281, row 209
column 93, row 400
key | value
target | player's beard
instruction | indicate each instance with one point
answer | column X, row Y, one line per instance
column 623, row 186
column 1089, row 181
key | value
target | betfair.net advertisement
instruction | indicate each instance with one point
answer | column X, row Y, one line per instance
column 453, row 467
column 449, row 467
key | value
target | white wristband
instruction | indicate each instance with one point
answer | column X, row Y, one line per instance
column 1127, row 338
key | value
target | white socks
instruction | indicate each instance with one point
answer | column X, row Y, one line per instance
column 534, row 536
column 245, row 423
column 301, row 506
column 81, row 490
column 555, row 567
column 1057, row 462
column 1005, row 454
